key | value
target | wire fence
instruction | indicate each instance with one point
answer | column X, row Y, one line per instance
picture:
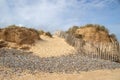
column 107, row 51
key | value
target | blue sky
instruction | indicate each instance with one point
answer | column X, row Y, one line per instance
column 54, row 15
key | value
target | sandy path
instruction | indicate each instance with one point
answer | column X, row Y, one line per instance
column 91, row 75
column 51, row 47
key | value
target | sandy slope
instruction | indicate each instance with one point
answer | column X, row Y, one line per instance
column 92, row 75
column 51, row 47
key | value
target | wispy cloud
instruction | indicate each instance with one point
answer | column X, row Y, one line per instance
column 51, row 14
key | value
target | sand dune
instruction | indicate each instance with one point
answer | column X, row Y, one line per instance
column 56, row 47
column 51, row 47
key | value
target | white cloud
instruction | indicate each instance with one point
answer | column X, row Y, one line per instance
column 50, row 13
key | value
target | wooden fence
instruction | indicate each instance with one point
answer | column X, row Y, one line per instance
column 107, row 51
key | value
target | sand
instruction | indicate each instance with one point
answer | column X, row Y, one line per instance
column 91, row 75
column 48, row 47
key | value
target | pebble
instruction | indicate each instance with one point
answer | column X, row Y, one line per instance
column 21, row 61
